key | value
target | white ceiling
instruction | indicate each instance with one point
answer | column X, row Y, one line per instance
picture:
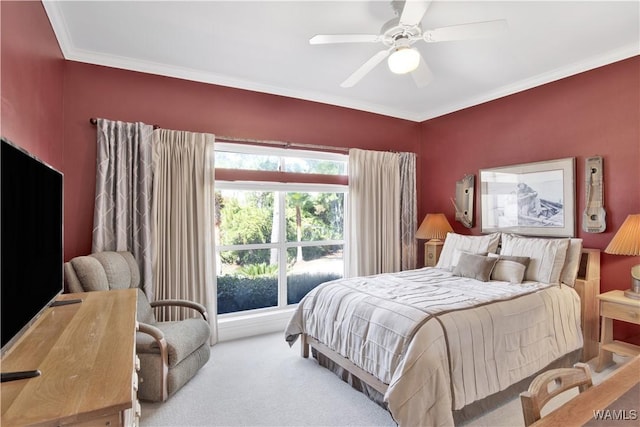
column 264, row 46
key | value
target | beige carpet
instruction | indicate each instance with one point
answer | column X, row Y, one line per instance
column 260, row 381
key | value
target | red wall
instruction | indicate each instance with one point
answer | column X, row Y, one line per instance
column 593, row 113
column 31, row 81
column 46, row 104
column 94, row 91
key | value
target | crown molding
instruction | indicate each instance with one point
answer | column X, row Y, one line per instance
column 70, row 53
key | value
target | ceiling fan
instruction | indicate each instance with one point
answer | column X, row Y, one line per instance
column 399, row 34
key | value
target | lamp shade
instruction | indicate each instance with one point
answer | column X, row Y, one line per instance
column 434, row 226
column 403, row 60
column 627, row 239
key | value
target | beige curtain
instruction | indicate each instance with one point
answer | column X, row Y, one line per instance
column 183, row 218
column 122, row 212
column 373, row 228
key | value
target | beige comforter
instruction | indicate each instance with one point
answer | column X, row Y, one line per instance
column 440, row 341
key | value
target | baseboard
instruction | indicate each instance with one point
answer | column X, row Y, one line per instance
column 234, row 327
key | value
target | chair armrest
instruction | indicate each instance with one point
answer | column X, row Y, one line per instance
column 158, row 336
column 155, row 333
column 182, row 303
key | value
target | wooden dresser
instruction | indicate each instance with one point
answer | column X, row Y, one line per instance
column 86, row 353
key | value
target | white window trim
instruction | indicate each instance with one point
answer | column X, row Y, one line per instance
column 281, row 186
column 275, row 244
column 277, row 151
column 272, row 319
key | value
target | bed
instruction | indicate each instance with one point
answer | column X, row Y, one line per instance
column 436, row 346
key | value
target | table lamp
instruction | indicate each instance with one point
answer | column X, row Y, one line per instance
column 627, row 242
column 435, row 228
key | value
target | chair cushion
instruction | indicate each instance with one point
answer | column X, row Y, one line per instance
column 183, row 338
column 144, row 310
column 90, row 273
column 118, row 268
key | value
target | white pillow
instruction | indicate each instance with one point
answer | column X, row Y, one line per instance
column 572, row 262
column 470, row 244
column 547, row 256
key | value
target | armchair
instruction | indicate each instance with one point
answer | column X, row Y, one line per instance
column 170, row 353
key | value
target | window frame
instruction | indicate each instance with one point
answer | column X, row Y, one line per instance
column 280, row 152
column 281, row 188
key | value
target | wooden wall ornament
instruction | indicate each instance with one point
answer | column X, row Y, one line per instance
column 464, row 200
column 594, row 216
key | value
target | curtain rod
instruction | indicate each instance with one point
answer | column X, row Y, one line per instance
column 94, row 121
column 284, row 144
column 281, row 143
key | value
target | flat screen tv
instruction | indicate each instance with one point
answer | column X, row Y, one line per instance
column 31, row 255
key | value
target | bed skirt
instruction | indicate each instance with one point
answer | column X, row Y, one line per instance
column 469, row 412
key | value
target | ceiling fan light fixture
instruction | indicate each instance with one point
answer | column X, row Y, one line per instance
column 403, row 60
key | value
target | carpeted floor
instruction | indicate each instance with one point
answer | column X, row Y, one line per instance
column 260, row 381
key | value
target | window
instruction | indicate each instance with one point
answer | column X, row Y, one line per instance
column 277, row 241
column 248, row 157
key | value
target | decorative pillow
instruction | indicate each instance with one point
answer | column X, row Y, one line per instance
column 472, row 244
column 547, row 256
column 475, row 266
column 572, row 262
column 510, row 268
column 456, row 256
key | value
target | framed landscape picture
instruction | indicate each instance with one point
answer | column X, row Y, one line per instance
column 532, row 199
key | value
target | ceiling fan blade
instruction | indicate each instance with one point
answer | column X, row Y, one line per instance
column 474, row 30
column 365, row 68
column 413, row 12
column 422, row 75
column 344, row 38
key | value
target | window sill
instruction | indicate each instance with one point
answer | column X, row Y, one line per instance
column 242, row 326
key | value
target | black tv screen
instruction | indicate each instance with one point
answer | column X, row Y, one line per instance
column 31, row 255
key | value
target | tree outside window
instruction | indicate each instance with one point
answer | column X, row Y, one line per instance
column 310, row 245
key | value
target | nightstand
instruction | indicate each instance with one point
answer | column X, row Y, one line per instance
column 614, row 305
column 432, row 250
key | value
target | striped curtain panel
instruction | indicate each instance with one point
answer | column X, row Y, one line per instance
column 122, row 212
column 408, row 211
